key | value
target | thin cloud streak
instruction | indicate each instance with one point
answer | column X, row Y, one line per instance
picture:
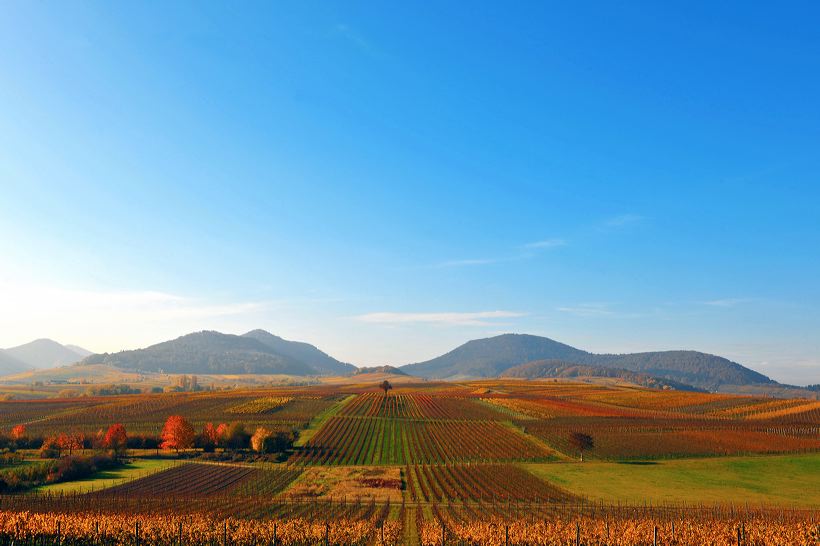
column 531, row 249
column 468, row 262
column 623, row 220
column 726, row 302
column 546, row 243
column 588, row 310
column 481, row 318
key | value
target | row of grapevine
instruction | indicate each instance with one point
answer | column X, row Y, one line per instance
column 375, row 441
column 479, row 482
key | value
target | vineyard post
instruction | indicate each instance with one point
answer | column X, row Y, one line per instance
column 506, row 535
column 180, row 533
column 327, row 533
column 738, row 536
column 654, row 535
column 577, row 534
column 274, row 533
column 136, row 533
column 58, row 532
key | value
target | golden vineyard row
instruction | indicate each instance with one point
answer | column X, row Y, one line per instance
column 198, row 529
column 204, row 529
column 621, row 532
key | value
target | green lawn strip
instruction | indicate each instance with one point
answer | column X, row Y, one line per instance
column 784, row 480
column 319, row 420
column 103, row 479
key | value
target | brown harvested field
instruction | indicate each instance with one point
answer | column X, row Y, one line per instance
column 382, row 483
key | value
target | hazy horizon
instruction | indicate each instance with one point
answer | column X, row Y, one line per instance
column 387, row 185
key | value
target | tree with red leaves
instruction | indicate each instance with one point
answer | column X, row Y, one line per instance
column 210, row 437
column 18, row 432
column 70, row 442
column 177, row 434
column 116, row 439
column 18, row 435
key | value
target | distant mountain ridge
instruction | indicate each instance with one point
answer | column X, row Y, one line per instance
column 41, row 354
column 303, row 352
column 543, row 369
column 10, row 365
column 209, row 352
column 493, row 356
column 379, row 369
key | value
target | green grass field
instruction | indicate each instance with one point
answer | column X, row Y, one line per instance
column 319, row 420
column 137, row 468
column 782, row 480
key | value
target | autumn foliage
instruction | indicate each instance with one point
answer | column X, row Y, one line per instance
column 177, row 434
column 116, row 439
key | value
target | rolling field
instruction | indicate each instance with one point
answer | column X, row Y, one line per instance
column 790, row 480
column 489, row 462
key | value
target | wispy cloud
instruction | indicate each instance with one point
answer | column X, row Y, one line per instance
column 588, row 310
column 622, row 220
column 356, row 38
column 480, row 318
column 523, row 252
column 546, row 243
column 726, row 302
column 468, row 262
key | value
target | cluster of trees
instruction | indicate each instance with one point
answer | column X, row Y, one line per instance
column 111, row 390
column 178, row 434
column 114, row 441
column 69, row 468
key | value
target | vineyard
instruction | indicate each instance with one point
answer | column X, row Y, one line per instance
column 428, row 463
column 440, row 483
column 375, row 441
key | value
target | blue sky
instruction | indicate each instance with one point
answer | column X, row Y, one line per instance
column 387, row 181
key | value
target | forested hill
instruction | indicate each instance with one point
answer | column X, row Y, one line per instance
column 306, row 353
column 542, row 369
column 490, row 357
column 216, row 353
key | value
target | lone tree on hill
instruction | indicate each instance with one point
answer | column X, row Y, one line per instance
column 386, row 386
column 582, row 442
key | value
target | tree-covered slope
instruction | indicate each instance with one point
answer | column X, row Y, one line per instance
column 206, row 352
column 541, row 369
column 490, row 357
column 305, row 353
